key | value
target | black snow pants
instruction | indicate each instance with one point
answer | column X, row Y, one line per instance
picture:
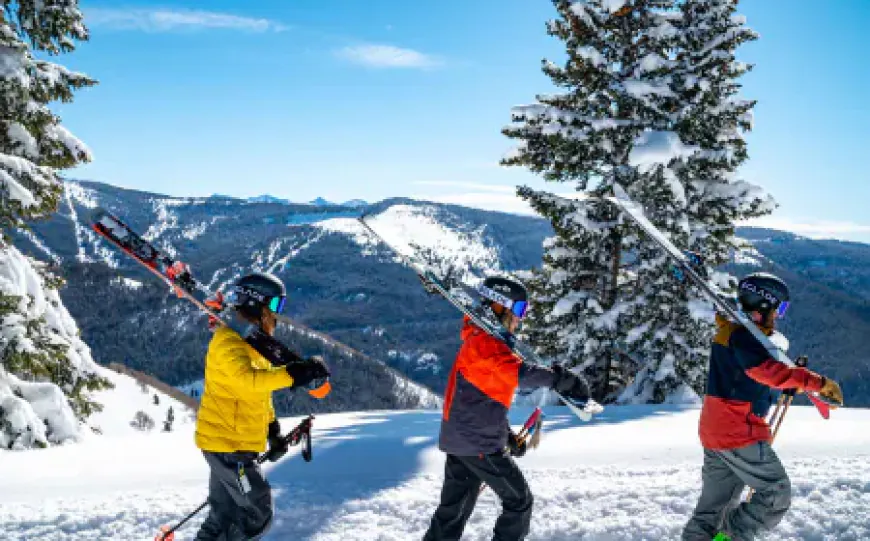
column 463, row 476
column 239, row 498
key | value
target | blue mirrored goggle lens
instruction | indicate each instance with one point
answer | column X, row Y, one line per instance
column 520, row 308
column 781, row 309
column 277, row 304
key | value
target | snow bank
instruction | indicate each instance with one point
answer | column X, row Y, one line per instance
column 128, row 397
column 33, row 414
column 36, row 412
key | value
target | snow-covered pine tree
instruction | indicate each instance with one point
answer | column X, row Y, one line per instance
column 701, row 155
column 45, row 369
column 649, row 105
column 570, row 290
column 616, row 82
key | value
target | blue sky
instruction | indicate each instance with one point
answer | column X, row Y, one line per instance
column 378, row 98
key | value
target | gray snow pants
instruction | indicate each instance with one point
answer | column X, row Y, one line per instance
column 725, row 474
column 463, row 476
column 239, row 498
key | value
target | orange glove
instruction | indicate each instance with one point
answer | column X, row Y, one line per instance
column 831, row 391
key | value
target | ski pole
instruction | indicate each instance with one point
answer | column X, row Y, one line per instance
column 168, row 534
column 784, row 402
column 301, row 433
column 531, row 430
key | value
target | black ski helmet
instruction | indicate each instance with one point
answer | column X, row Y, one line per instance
column 507, row 292
column 761, row 292
column 252, row 292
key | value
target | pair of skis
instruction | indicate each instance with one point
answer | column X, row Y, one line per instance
column 178, row 277
column 583, row 410
column 634, row 212
column 687, row 268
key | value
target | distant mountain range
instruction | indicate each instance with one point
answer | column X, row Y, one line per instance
column 317, row 202
column 342, row 283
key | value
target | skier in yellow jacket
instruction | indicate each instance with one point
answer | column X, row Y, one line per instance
column 236, row 418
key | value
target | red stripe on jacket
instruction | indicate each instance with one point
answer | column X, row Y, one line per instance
column 779, row 376
column 740, row 371
column 487, row 363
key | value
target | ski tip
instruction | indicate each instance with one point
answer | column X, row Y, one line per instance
column 823, row 407
column 583, row 410
column 593, row 407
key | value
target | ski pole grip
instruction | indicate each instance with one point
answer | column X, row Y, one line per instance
column 800, row 362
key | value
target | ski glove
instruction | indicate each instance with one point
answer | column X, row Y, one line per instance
column 277, row 445
column 516, row 447
column 569, row 384
column 306, row 371
column 831, row 390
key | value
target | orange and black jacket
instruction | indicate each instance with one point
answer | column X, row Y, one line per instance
column 742, row 384
column 479, row 393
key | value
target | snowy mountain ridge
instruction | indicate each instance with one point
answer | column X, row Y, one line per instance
column 344, row 284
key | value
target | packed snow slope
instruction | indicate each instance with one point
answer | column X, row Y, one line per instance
column 632, row 474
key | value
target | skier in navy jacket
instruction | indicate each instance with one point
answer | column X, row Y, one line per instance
column 742, row 384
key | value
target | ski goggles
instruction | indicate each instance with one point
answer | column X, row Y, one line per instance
column 275, row 304
column 781, row 309
column 517, row 308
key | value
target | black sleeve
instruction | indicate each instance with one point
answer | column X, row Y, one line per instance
column 533, row 376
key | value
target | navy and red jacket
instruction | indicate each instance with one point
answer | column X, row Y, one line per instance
column 479, row 393
column 742, row 384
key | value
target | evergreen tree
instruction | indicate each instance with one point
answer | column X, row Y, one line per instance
column 616, row 82
column 142, row 422
column 705, row 198
column 45, row 369
column 170, row 419
column 648, row 104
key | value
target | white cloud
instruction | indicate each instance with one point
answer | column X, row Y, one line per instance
column 816, row 229
column 387, row 56
column 168, row 20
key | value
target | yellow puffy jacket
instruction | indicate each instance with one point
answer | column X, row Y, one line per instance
column 236, row 405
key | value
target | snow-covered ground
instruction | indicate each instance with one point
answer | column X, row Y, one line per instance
column 123, row 401
column 633, row 474
column 411, row 228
